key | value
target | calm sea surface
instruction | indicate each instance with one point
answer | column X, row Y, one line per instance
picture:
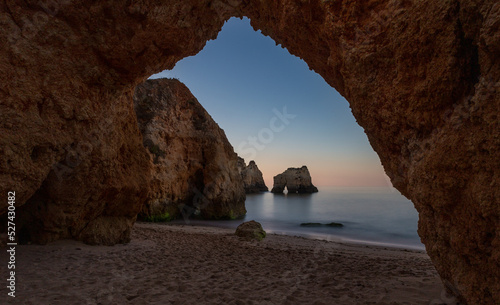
column 370, row 215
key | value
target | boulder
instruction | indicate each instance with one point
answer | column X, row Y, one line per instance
column 251, row 230
column 193, row 164
column 296, row 180
column 253, row 181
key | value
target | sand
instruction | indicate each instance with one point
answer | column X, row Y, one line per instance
column 172, row 264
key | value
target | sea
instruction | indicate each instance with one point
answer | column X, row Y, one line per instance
column 369, row 215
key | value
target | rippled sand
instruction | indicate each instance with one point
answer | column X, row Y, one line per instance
column 166, row 264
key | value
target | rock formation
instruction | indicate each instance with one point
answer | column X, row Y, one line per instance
column 193, row 165
column 253, row 181
column 76, row 164
column 296, row 180
column 421, row 77
column 251, row 230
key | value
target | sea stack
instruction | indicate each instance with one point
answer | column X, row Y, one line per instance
column 253, row 181
column 193, row 164
column 296, row 180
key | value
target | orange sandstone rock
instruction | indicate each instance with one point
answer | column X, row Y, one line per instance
column 253, row 181
column 194, row 167
column 296, row 180
column 421, row 76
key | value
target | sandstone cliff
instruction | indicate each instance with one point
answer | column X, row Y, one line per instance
column 78, row 167
column 194, row 166
column 296, row 180
column 421, row 77
column 253, row 181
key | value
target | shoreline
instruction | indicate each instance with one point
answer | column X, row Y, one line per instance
column 331, row 237
column 183, row 264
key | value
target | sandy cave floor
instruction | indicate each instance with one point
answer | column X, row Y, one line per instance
column 167, row 264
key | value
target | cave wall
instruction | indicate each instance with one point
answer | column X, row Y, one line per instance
column 70, row 145
column 421, row 77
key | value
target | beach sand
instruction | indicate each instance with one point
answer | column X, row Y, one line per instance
column 173, row 264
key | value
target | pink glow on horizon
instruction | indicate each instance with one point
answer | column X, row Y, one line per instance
column 331, row 175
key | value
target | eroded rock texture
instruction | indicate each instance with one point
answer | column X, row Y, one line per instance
column 253, row 181
column 421, row 76
column 251, row 230
column 69, row 141
column 296, row 180
column 194, row 167
column 76, row 163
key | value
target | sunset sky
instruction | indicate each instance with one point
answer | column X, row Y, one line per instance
column 276, row 111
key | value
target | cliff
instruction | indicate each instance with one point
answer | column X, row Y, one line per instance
column 421, row 78
column 253, row 181
column 296, row 180
column 194, row 168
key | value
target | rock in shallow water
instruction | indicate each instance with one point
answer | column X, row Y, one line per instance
column 317, row 224
column 296, row 180
column 253, row 181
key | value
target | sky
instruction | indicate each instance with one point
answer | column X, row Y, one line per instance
column 277, row 111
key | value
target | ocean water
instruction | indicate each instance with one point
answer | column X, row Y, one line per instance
column 379, row 216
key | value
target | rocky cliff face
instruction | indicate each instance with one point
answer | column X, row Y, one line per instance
column 296, row 180
column 78, row 167
column 421, row 77
column 253, row 181
column 193, row 165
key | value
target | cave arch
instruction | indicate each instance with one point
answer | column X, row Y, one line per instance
column 267, row 82
column 421, row 78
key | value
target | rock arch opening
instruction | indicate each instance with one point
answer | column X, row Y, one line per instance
column 276, row 111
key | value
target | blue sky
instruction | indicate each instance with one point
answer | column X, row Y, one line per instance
column 243, row 80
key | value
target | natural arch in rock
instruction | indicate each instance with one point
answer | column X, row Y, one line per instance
column 422, row 79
